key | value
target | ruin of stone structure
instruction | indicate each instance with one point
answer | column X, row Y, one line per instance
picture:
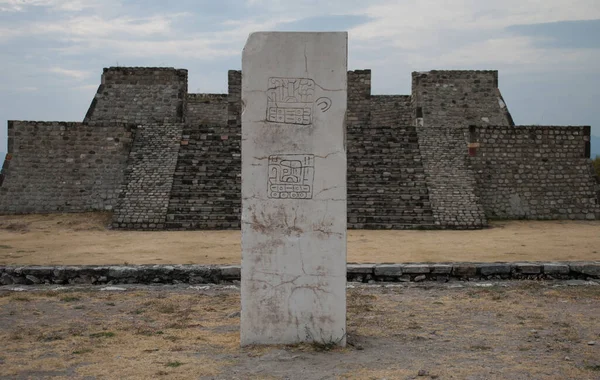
column 446, row 156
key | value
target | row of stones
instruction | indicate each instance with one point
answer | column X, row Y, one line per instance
column 144, row 199
column 210, row 109
column 201, row 274
column 206, row 191
column 63, row 166
column 445, row 104
column 538, row 190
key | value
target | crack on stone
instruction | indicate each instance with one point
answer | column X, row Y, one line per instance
column 326, row 189
column 330, row 154
column 305, row 61
column 329, row 89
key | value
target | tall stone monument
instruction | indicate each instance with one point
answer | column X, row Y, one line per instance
column 294, row 88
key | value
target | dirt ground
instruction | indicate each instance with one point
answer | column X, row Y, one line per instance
column 78, row 239
column 515, row 330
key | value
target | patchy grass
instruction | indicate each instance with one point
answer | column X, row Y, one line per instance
column 593, row 367
column 82, row 351
column 70, row 299
column 174, row 364
column 522, row 331
column 104, row 334
column 21, row 299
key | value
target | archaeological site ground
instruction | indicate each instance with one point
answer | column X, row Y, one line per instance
column 298, row 227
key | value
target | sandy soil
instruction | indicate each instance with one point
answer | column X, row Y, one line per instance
column 520, row 330
column 78, row 239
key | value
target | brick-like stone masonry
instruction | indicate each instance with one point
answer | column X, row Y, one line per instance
column 144, row 199
column 365, row 273
column 207, row 182
column 525, row 172
column 428, row 160
column 446, row 103
column 140, row 95
column 63, row 167
column 207, row 109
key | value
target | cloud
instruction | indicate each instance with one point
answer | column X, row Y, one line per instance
column 96, row 26
column 74, row 74
column 404, row 19
column 61, row 5
column 27, row 89
column 468, row 33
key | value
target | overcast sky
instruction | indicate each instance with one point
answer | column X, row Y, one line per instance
column 547, row 51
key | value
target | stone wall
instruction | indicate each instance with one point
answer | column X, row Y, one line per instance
column 534, row 172
column 365, row 273
column 445, row 104
column 207, row 109
column 391, row 110
column 206, row 191
column 144, row 199
column 140, row 95
column 63, row 167
column 234, row 100
column 386, row 181
column 408, row 163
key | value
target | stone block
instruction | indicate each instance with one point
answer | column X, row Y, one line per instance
column 231, row 272
column 587, row 268
column 293, row 286
column 556, row 268
column 119, row 272
column 389, row 270
column 528, row 268
column 441, row 268
column 494, row 269
column 416, row 269
column 360, row 268
column 464, row 270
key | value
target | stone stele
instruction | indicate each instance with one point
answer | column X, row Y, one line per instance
column 294, row 88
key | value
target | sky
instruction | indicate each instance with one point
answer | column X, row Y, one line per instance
column 547, row 51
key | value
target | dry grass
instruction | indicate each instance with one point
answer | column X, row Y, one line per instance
column 523, row 331
column 78, row 239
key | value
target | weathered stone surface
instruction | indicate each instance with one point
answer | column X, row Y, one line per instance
column 464, row 270
column 588, row 268
column 123, row 272
column 201, row 274
column 207, row 109
column 140, row 95
column 377, row 124
column 527, row 268
column 144, row 198
column 407, row 155
column 390, row 270
column 360, row 268
column 64, row 167
column 231, row 271
column 6, row 279
column 441, row 268
column 416, row 268
column 534, row 172
column 493, row 269
column 32, row 279
column 444, row 108
column 294, row 188
column 556, row 268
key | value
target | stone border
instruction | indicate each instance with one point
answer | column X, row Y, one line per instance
column 366, row 273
